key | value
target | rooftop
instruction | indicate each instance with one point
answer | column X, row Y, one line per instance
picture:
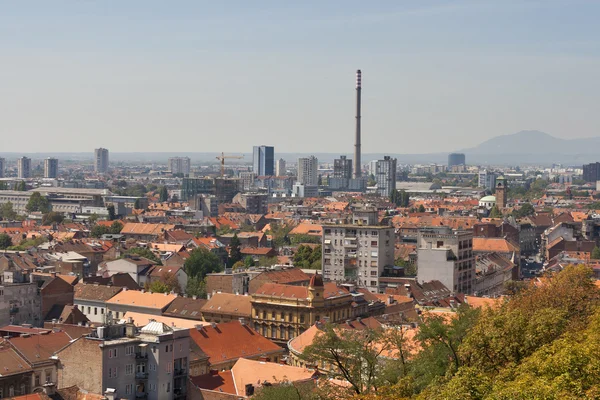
column 143, row 299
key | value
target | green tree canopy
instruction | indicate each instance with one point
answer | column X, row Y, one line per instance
column 52, row 218
column 37, row 202
column 7, row 212
column 163, row 194
column 495, row 212
column 596, row 253
column 111, row 212
column 116, row 227
column 196, row 287
column 5, row 241
column 99, row 230
column 202, row 262
column 525, row 210
column 235, row 253
column 421, row 208
column 308, row 257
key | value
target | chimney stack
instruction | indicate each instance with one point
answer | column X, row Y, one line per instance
column 357, row 150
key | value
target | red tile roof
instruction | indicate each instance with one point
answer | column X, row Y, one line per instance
column 219, row 382
column 39, row 348
column 11, row 363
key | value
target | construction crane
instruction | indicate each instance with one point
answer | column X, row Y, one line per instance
column 222, row 157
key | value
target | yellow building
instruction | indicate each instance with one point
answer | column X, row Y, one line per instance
column 282, row 312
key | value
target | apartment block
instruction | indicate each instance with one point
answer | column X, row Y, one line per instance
column 51, row 168
column 446, row 255
column 179, row 165
column 385, row 175
column 24, row 167
column 308, row 171
column 101, row 160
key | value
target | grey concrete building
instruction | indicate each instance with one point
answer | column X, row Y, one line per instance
column 24, row 167
column 179, row 165
column 2, row 167
column 385, row 176
column 308, row 171
column 447, row 256
column 280, row 167
column 101, row 160
column 51, row 168
column 357, row 253
column 20, row 303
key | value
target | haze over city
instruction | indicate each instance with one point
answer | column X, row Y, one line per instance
column 143, row 76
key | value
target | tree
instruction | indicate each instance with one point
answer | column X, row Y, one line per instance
column 175, row 199
column 99, row 230
column 267, row 261
column 37, row 202
column 196, row 287
column 137, row 204
column 52, row 217
column 20, row 186
column 93, row 218
column 5, row 241
column 7, row 212
column 111, row 212
column 166, row 283
column 249, row 261
column 280, row 231
column 224, row 230
column 163, row 194
column 235, row 253
column 286, row 390
column 410, row 269
column 495, row 212
column 116, row 227
column 421, row 208
column 525, row 210
column 307, row 257
column 595, row 253
column 202, row 262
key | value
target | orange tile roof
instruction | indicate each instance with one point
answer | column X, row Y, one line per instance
column 498, row 245
column 228, row 304
column 11, row 363
column 221, row 382
column 231, row 340
column 135, row 228
column 251, row 372
column 141, row 319
column 138, row 298
column 481, row 302
column 39, row 348
column 306, row 228
column 298, row 292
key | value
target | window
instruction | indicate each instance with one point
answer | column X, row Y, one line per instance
column 102, row 311
column 37, row 380
column 129, row 389
column 373, row 273
column 264, row 330
column 373, row 283
column 89, row 310
column 167, row 348
column 95, row 310
column 281, row 332
column 180, row 347
column 129, row 369
column 11, row 391
column 171, row 347
column 168, row 387
column 48, row 374
column 1, row 392
column 264, row 315
column 373, row 243
column 169, row 366
column 23, row 388
column 129, row 350
column 301, row 318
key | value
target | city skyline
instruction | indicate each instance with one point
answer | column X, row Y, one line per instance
column 224, row 78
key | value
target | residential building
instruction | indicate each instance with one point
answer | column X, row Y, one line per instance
column 446, row 255
column 55, row 292
column 138, row 302
column 493, row 272
column 232, row 282
column 591, row 172
column 226, row 189
column 308, row 171
column 280, row 167
column 149, row 363
column 91, row 300
column 227, row 342
column 487, row 179
column 24, row 167
column 179, row 165
column 2, row 167
column 138, row 268
column 342, row 168
column 20, row 303
column 254, row 203
column 282, row 312
column 358, row 252
column 101, row 160
column 247, row 179
column 263, row 160
column 385, row 176
column 455, row 159
column 51, row 168
column 302, row 190
column 16, row 377
column 145, row 232
column 225, row 307
column 287, row 276
column 186, row 307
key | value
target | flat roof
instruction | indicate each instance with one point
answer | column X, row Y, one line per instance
column 95, row 192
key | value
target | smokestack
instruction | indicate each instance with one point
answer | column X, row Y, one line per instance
column 357, row 163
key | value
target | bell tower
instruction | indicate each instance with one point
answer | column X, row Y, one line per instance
column 501, row 199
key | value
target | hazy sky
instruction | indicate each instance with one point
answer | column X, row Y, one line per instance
column 225, row 75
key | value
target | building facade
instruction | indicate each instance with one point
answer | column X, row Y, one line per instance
column 280, row 167
column 385, row 175
column 447, row 256
column 342, row 168
column 2, row 167
column 263, row 160
column 101, row 160
column 501, row 195
column 357, row 253
column 487, row 179
column 591, row 172
column 179, row 165
column 456, row 159
column 51, row 168
column 24, row 167
column 308, row 171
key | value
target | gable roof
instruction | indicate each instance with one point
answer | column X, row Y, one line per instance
column 135, row 228
column 95, row 292
column 231, row 340
column 221, row 382
column 299, row 292
column 39, row 348
column 285, row 276
column 186, row 307
column 11, row 363
column 230, row 304
column 498, row 245
column 251, row 372
column 142, row 299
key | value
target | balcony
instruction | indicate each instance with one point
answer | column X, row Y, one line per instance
column 141, row 375
column 141, row 395
column 181, row 372
column 141, row 356
column 14, row 310
column 350, row 244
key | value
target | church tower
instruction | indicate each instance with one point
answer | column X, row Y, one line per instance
column 501, row 199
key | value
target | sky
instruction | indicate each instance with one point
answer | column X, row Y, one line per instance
column 170, row 76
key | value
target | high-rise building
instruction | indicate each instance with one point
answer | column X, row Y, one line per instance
column 358, row 252
column 101, row 160
column 263, row 160
column 24, row 167
column 446, row 256
column 179, row 165
column 591, row 172
column 487, row 179
column 308, row 170
column 2, row 167
column 342, row 168
column 51, row 168
column 456, row 159
column 280, row 167
column 385, row 175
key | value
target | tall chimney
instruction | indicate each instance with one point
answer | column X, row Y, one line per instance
column 357, row 163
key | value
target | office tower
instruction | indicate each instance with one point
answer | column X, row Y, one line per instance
column 487, row 179
column 358, row 252
column 446, row 256
column 308, row 169
column 385, row 176
column 280, row 167
column 101, row 160
column 456, row 159
column 2, row 167
column 24, row 167
column 179, row 165
column 357, row 139
column 342, row 168
column 51, row 168
column 263, row 160
column 591, row 172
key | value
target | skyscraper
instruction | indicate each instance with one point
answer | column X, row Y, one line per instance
column 456, row 159
column 24, row 167
column 280, row 167
column 385, row 175
column 308, row 169
column 2, row 167
column 179, row 165
column 342, row 168
column 51, row 168
column 263, row 160
column 101, row 160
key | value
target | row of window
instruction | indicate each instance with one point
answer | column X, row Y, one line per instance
column 11, row 391
column 349, row 233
